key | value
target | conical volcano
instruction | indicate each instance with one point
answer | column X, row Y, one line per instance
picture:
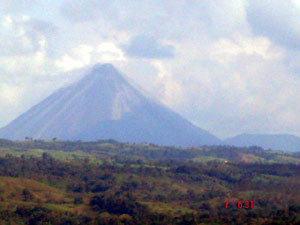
column 103, row 105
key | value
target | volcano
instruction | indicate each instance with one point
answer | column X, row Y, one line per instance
column 104, row 105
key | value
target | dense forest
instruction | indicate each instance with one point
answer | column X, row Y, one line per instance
column 107, row 182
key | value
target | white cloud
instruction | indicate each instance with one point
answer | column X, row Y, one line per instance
column 9, row 95
column 24, row 45
column 235, row 67
column 80, row 57
column 109, row 52
column 85, row 55
column 225, row 50
column 8, row 6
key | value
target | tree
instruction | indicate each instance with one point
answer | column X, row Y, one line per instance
column 27, row 195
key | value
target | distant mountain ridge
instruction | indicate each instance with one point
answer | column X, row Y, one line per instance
column 103, row 105
column 284, row 142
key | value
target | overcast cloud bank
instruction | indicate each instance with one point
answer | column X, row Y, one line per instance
column 229, row 66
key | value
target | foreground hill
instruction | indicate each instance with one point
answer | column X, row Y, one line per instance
column 107, row 182
column 104, row 105
column 275, row 142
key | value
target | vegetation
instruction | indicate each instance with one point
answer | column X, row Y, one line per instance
column 107, row 182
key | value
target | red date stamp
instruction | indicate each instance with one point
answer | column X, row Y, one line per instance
column 242, row 204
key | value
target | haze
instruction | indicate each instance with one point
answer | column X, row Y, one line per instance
column 230, row 67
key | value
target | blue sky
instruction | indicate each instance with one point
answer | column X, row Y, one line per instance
column 230, row 67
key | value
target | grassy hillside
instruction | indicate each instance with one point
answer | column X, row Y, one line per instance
column 107, row 182
column 112, row 151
